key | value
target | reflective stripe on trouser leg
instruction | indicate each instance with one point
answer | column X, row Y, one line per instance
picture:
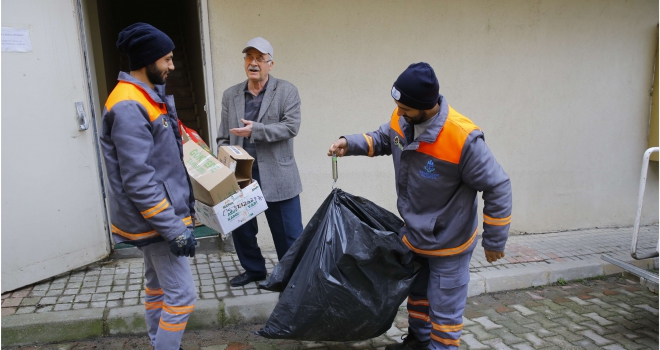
column 449, row 278
column 153, row 301
column 153, row 306
column 173, row 276
column 418, row 306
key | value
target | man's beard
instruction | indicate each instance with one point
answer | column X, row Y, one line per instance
column 155, row 75
column 420, row 118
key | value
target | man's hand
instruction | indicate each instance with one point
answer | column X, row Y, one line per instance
column 339, row 147
column 492, row 256
column 245, row 131
column 183, row 245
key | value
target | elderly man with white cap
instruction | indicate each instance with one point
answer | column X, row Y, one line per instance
column 262, row 115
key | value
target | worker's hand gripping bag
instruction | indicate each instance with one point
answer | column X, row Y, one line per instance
column 344, row 277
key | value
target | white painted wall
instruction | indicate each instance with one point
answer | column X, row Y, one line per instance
column 560, row 88
column 52, row 210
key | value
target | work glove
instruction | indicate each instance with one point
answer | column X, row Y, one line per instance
column 183, row 245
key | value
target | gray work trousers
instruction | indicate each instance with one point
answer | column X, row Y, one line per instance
column 170, row 295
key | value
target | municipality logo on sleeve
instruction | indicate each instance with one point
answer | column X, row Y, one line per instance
column 429, row 171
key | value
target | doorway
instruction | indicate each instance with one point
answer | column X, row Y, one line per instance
column 180, row 21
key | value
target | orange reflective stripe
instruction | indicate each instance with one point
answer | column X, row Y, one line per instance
column 447, row 327
column 486, row 217
column 172, row 327
column 394, row 122
column 419, row 315
column 454, row 342
column 497, row 221
column 158, row 291
column 418, row 302
column 498, row 224
column 153, row 305
column 370, row 142
column 442, row 252
column 125, row 91
column 449, row 144
column 178, row 310
column 187, row 220
column 133, row 236
column 156, row 209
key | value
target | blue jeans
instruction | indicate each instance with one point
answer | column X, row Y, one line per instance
column 285, row 222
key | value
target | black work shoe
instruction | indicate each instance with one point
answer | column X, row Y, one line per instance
column 410, row 342
column 244, row 279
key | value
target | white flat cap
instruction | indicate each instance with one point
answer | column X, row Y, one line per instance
column 260, row 44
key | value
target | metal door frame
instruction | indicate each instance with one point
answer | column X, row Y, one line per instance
column 91, row 106
column 205, row 35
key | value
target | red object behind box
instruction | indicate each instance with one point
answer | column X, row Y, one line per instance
column 190, row 134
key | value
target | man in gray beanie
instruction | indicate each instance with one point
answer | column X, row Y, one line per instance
column 441, row 161
column 150, row 196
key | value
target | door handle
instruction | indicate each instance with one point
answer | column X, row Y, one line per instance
column 83, row 123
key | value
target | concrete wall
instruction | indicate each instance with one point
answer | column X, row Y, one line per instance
column 560, row 88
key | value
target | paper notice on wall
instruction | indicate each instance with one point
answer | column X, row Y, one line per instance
column 16, row 40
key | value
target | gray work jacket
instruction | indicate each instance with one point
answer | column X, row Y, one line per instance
column 437, row 178
column 277, row 124
column 150, row 196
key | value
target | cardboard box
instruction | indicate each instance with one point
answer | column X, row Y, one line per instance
column 233, row 211
column 239, row 161
column 212, row 182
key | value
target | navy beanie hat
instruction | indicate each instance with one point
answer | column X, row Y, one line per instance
column 417, row 87
column 144, row 44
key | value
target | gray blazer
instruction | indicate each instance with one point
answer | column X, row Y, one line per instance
column 273, row 132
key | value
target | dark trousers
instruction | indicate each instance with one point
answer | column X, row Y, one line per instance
column 285, row 222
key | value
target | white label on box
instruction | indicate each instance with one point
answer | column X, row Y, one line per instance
column 236, row 151
column 233, row 211
column 232, row 166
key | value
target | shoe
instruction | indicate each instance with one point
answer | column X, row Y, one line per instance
column 244, row 279
column 410, row 343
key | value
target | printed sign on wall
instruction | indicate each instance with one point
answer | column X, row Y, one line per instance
column 16, row 40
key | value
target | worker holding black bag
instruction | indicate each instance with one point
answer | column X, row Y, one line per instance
column 440, row 160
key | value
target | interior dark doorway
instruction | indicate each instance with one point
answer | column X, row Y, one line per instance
column 180, row 20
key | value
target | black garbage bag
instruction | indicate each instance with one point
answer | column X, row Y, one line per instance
column 344, row 277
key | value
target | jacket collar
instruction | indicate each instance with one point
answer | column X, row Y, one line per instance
column 436, row 123
column 158, row 95
column 270, row 85
column 268, row 96
column 239, row 99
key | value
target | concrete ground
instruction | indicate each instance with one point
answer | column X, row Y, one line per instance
column 106, row 299
column 602, row 313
